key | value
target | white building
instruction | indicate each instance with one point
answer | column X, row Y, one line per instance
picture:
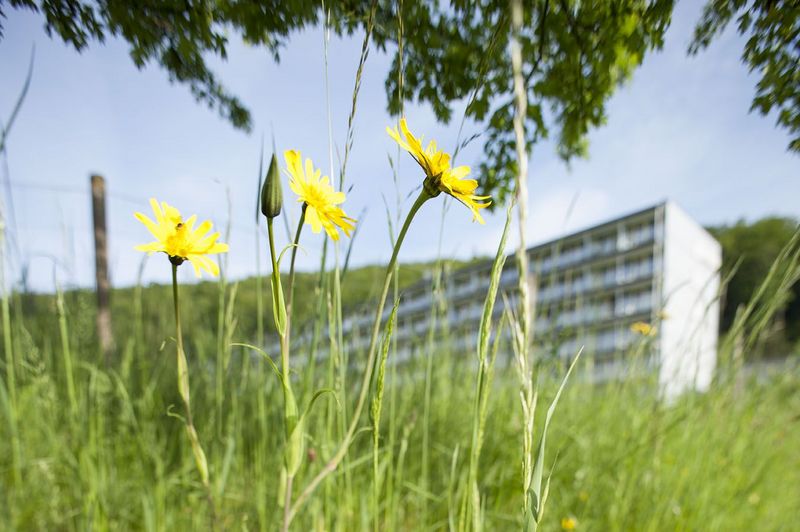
column 655, row 266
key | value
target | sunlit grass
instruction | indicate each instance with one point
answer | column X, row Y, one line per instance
column 724, row 460
column 102, row 452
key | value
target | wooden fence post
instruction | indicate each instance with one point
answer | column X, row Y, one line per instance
column 101, row 266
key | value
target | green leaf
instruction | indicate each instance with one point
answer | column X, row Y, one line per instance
column 278, row 305
column 263, row 354
column 295, row 433
column 538, row 469
column 485, row 328
column 319, row 393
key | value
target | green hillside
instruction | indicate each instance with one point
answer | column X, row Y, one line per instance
column 144, row 307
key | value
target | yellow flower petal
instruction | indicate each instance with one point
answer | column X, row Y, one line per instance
column 202, row 262
column 294, row 165
column 336, row 198
column 219, row 247
column 196, row 266
column 311, row 176
column 320, row 198
column 313, row 219
column 436, row 164
column 157, row 211
column 190, row 223
column 154, row 229
column 152, row 247
column 460, row 172
column 201, row 231
column 179, row 238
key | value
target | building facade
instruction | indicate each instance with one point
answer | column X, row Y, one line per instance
column 656, row 266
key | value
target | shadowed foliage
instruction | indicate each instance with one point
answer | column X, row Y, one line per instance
column 772, row 50
column 748, row 251
column 576, row 54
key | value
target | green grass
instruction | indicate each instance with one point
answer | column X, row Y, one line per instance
column 723, row 460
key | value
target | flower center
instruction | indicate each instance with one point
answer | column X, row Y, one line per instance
column 177, row 245
column 316, row 197
column 432, row 185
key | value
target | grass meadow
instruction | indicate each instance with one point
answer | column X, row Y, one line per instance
column 90, row 446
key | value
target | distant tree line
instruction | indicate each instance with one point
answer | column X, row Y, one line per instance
column 748, row 250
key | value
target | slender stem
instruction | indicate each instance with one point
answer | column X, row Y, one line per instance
column 287, row 503
column 177, row 308
column 330, row 467
column 320, row 290
column 290, row 289
column 376, row 489
column 183, row 376
column 284, row 339
column 521, row 191
column 521, row 196
column 472, row 493
column 426, row 399
column 183, row 389
column 390, row 478
column 276, row 286
column 272, row 255
column 259, row 300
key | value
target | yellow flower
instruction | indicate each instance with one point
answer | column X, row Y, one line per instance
column 645, row 329
column 180, row 240
column 434, row 162
column 436, row 165
column 569, row 523
column 319, row 196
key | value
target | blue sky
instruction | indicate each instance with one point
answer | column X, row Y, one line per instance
column 680, row 129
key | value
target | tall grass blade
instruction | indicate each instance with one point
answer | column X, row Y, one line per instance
column 537, row 494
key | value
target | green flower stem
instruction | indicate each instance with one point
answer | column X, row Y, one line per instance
column 183, row 376
column 276, row 296
column 290, row 289
column 280, row 314
column 330, row 467
column 183, row 389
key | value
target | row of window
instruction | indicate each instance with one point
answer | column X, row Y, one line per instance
column 626, row 304
column 596, row 246
column 593, row 246
column 544, row 261
column 614, row 338
column 628, row 272
column 570, row 314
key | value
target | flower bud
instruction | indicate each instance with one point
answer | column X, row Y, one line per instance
column 271, row 193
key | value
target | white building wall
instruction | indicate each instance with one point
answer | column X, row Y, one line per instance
column 597, row 282
column 688, row 338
